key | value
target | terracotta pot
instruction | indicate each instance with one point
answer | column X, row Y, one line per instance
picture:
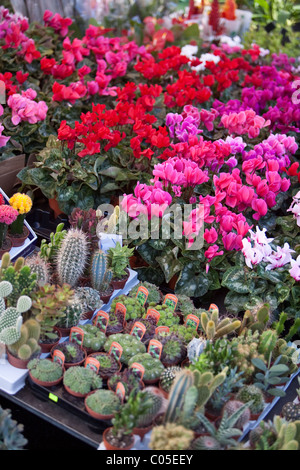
column 88, row 315
column 45, row 384
column 109, row 446
column 46, row 347
column 74, row 394
column 64, row 332
column 53, row 204
column 120, row 283
column 101, row 373
column 106, row 296
column 142, row 431
column 67, row 365
column 93, row 413
column 17, row 241
column 172, row 282
column 15, row 361
column 7, row 246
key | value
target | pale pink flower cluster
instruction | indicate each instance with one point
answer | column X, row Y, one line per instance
column 24, row 108
column 244, row 122
column 295, row 208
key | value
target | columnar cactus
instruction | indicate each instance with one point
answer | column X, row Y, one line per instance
column 101, row 276
column 11, row 318
column 39, row 267
column 215, row 328
column 72, row 257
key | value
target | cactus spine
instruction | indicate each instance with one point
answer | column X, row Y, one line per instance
column 27, row 345
column 39, row 267
column 101, row 276
column 72, row 257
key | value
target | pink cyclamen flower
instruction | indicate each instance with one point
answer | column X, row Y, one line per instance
column 280, row 257
column 295, row 269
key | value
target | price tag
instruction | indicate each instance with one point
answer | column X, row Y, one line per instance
column 59, row 357
column 138, row 370
column 92, row 363
column 155, row 348
column 120, row 391
column 101, row 320
column 76, row 335
column 116, row 350
column 152, row 313
column 213, row 307
column 162, row 329
column 121, row 310
column 192, row 321
column 138, row 330
column 142, row 295
column 171, row 301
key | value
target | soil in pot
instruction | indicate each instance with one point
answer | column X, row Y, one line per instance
column 115, row 324
column 108, row 364
column 6, row 247
column 74, row 354
column 111, row 443
column 119, row 283
column 106, row 296
column 18, row 239
column 47, row 344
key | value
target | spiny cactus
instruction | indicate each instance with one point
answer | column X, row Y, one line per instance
column 89, row 298
column 256, row 320
column 267, row 343
column 82, row 380
column 101, row 275
column 27, row 345
column 215, row 328
column 206, row 443
column 232, row 406
column 72, row 257
column 39, row 267
column 156, row 402
column 104, row 402
column 11, row 318
column 254, row 394
column 170, row 437
column 168, row 376
column 291, row 411
column 20, row 276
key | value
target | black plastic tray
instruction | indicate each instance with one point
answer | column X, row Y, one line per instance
column 58, row 395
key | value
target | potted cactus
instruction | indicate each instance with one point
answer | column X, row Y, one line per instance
column 173, row 352
column 72, row 257
column 101, row 275
column 133, row 307
column 154, row 294
column 153, row 367
column 118, row 258
column 131, row 346
column 253, row 394
column 167, row 378
column 128, row 379
column 93, row 339
column 18, row 232
column 115, row 324
column 45, row 372
column 21, row 338
column 90, row 299
column 74, row 354
column 145, row 420
column 171, row 436
column 102, row 404
column 148, row 323
column 108, row 364
column 79, row 381
column 120, row 436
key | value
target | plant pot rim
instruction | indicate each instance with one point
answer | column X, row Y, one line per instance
column 74, row 394
column 17, row 240
column 43, row 383
column 109, row 446
column 93, row 413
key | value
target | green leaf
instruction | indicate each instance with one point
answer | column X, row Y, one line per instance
column 237, row 280
column 191, row 282
column 235, row 303
column 169, row 264
column 259, row 364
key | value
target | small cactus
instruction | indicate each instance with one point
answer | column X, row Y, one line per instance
column 39, row 267
column 168, row 376
column 254, row 394
column 291, row 411
column 72, row 257
column 205, row 443
column 231, row 407
column 27, row 345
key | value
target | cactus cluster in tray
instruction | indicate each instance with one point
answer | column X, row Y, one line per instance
column 133, row 307
column 93, row 338
column 153, row 366
column 104, row 402
column 82, row 379
column 45, row 370
column 131, row 346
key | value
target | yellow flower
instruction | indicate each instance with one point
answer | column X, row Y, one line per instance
column 21, row 202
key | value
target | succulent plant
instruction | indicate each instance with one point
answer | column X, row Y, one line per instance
column 89, row 298
column 155, row 401
column 185, row 305
column 128, row 379
column 183, row 332
column 232, row 384
column 73, row 313
column 82, row 379
column 167, row 316
column 150, row 328
column 119, row 259
column 174, row 350
column 108, row 364
column 206, row 443
column 134, row 309
column 40, row 268
column 213, row 327
column 45, row 370
column 153, row 367
column 20, row 277
column 115, row 324
column 195, row 348
column 48, row 250
column 93, row 338
column 11, row 432
column 253, row 394
column 276, row 434
column 11, row 318
column 28, row 343
column 170, row 437
column 104, row 402
column 154, row 294
column 246, row 349
column 232, row 406
column 72, row 257
column 291, row 411
column 87, row 221
column 72, row 351
column 268, row 376
column 131, row 346
column 101, row 275
column 168, row 376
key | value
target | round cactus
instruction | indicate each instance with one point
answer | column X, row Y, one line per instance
column 251, row 393
column 205, row 443
column 291, row 411
column 231, row 407
column 168, row 376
